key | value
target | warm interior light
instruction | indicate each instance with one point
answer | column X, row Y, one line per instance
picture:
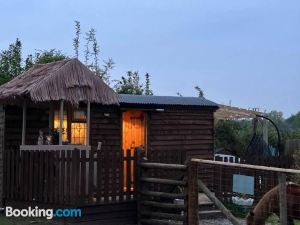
column 65, row 124
column 78, row 133
column 78, row 128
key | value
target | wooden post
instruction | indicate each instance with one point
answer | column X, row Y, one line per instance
column 51, row 117
column 138, row 154
column 282, row 198
column 24, row 123
column 61, row 119
column 192, row 194
column 2, row 170
column 88, row 118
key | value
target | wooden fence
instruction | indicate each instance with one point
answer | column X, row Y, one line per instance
column 259, row 174
column 64, row 177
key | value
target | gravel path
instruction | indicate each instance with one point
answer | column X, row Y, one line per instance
column 220, row 221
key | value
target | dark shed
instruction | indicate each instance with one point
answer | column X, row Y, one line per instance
column 66, row 99
column 175, row 123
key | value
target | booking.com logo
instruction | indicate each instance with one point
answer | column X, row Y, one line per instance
column 45, row 213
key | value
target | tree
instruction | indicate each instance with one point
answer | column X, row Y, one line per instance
column 148, row 91
column 48, row 56
column 76, row 40
column 294, row 121
column 92, row 49
column 233, row 135
column 200, row 91
column 105, row 70
column 11, row 62
column 277, row 118
column 130, row 84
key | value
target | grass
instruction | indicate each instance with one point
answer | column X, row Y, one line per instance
column 274, row 220
column 241, row 212
column 26, row 221
column 236, row 210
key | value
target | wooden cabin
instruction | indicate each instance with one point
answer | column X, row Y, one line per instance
column 61, row 117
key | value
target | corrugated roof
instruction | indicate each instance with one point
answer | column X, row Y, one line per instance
column 165, row 100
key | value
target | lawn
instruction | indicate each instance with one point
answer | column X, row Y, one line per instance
column 26, row 221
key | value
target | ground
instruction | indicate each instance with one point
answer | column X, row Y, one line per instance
column 219, row 221
column 26, row 221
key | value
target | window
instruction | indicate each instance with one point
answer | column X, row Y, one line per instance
column 78, row 131
column 65, row 124
column 74, row 126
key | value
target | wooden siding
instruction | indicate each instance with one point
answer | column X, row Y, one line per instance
column 187, row 130
column 105, row 127
column 37, row 119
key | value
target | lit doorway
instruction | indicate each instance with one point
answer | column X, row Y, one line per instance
column 133, row 136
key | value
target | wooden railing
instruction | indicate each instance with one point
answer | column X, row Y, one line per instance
column 65, row 177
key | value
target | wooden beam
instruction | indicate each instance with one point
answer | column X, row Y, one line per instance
column 162, row 181
column 163, row 194
column 61, row 119
column 219, row 204
column 164, row 205
column 88, row 119
column 248, row 166
column 163, row 166
column 282, row 199
column 24, row 123
column 51, row 117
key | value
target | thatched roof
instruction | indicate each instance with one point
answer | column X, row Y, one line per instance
column 67, row 80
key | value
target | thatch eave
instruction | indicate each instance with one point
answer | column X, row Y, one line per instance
column 67, row 80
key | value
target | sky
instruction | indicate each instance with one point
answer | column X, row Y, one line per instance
column 246, row 52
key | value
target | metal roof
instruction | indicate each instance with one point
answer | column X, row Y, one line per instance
column 152, row 100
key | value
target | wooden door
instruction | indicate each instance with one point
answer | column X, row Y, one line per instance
column 133, row 136
column 134, row 126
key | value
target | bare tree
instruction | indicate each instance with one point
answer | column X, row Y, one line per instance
column 76, row 40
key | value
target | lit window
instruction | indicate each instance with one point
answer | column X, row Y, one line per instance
column 77, row 128
column 78, row 131
column 65, row 124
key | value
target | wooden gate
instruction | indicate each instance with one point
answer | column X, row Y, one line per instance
column 162, row 200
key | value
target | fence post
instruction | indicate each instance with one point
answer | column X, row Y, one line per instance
column 282, row 198
column 138, row 157
column 192, row 194
column 2, row 176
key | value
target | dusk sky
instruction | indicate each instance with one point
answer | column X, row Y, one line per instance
column 246, row 51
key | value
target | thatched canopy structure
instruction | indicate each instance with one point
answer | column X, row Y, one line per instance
column 67, row 80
